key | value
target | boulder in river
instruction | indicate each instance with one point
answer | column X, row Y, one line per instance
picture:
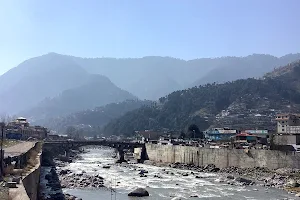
column 243, row 180
column 139, row 192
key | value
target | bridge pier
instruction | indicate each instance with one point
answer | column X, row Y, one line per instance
column 121, row 157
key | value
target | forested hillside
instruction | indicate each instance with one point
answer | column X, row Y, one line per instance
column 201, row 105
column 93, row 119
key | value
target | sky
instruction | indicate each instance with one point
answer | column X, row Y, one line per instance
column 185, row 29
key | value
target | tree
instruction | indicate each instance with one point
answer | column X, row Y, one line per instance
column 71, row 131
column 182, row 135
column 194, row 132
column 6, row 118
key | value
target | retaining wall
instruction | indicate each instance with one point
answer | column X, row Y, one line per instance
column 28, row 187
column 31, row 182
column 223, row 157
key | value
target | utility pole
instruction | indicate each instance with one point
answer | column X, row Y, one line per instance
column 194, row 134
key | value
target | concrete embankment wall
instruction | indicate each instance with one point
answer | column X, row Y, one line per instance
column 31, row 182
column 222, row 157
column 28, row 187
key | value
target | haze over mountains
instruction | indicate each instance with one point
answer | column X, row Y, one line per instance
column 241, row 104
column 54, row 85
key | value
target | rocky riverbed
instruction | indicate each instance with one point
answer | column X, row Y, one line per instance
column 50, row 183
column 283, row 178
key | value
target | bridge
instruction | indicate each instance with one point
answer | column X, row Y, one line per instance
column 59, row 146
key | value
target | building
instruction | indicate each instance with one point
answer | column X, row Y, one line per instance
column 219, row 134
column 288, row 123
column 258, row 133
column 262, row 135
column 246, row 138
column 20, row 129
column 288, row 129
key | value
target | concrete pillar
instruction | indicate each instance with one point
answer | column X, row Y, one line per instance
column 121, row 157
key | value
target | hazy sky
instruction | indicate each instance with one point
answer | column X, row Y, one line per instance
column 134, row 28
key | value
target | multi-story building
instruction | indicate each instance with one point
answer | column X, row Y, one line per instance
column 20, row 129
column 288, row 129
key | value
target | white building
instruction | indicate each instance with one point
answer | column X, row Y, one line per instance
column 288, row 129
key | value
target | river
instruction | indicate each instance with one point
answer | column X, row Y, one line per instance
column 125, row 178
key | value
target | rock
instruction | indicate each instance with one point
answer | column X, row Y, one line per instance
column 292, row 183
column 139, row 192
column 244, row 180
column 64, row 172
column 48, row 177
column 215, row 169
column 185, row 174
column 143, row 172
column 194, row 195
column 177, row 198
column 230, row 177
column 297, row 195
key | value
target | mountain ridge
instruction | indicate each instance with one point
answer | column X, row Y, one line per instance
column 97, row 91
column 149, row 77
column 245, row 100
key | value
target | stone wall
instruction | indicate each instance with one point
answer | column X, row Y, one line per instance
column 222, row 157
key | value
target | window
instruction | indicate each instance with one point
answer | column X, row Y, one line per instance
column 283, row 122
column 283, row 129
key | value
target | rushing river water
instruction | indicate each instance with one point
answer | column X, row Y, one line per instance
column 125, row 178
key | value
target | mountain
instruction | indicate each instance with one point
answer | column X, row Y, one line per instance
column 253, row 66
column 97, row 91
column 93, row 119
column 151, row 77
column 147, row 88
column 148, row 77
column 249, row 103
column 37, row 78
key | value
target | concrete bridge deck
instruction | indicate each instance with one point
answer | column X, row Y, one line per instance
column 110, row 143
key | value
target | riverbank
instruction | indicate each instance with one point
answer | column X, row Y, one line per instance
column 50, row 185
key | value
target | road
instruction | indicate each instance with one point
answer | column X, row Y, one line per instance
column 18, row 149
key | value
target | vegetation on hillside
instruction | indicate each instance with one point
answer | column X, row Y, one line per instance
column 91, row 121
column 200, row 105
